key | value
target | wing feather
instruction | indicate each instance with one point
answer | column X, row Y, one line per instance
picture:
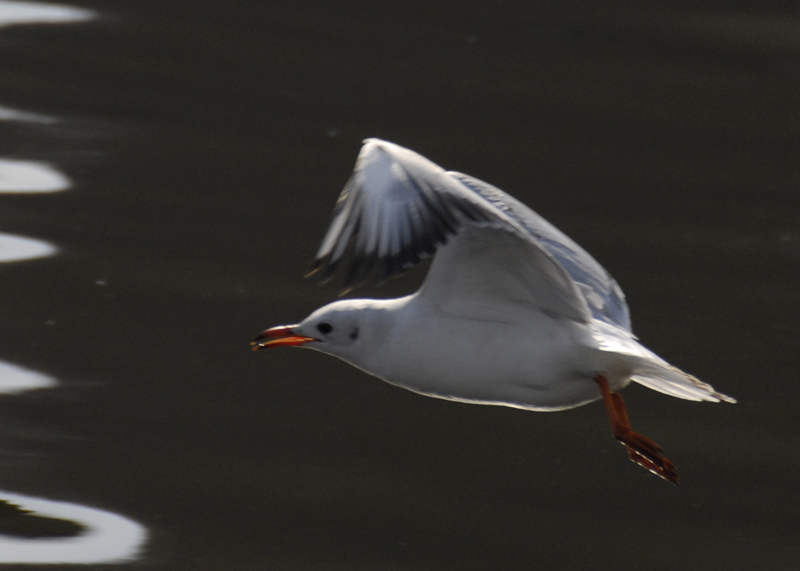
column 601, row 291
column 399, row 208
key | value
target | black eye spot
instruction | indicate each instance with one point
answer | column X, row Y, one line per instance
column 324, row 327
column 354, row 334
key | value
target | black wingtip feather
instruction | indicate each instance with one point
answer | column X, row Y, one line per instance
column 314, row 267
column 434, row 213
column 359, row 269
column 387, row 267
column 329, row 269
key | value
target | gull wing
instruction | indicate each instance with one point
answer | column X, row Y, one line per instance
column 602, row 293
column 398, row 208
column 492, row 274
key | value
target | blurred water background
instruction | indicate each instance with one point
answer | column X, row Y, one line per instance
column 167, row 170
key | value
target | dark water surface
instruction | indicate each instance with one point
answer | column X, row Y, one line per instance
column 207, row 142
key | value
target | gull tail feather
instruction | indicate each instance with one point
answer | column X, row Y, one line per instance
column 672, row 381
column 648, row 369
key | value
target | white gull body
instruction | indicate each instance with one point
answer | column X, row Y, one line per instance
column 512, row 312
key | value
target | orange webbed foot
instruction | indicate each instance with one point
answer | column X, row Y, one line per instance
column 648, row 454
column 641, row 449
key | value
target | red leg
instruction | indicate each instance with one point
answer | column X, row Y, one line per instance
column 641, row 449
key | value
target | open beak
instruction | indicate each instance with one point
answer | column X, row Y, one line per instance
column 281, row 336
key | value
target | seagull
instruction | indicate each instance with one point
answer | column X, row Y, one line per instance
column 512, row 312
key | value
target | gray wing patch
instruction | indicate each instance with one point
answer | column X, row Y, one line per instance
column 397, row 209
column 602, row 293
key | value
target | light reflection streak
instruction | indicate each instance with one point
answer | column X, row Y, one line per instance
column 15, row 379
column 107, row 537
column 9, row 114
column 18, row 248
column 12, row 13
column 30, row 176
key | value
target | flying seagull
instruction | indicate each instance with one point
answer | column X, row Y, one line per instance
column 512, row 312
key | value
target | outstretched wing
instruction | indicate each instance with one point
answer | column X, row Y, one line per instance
column 398, row 208
column 602, row 293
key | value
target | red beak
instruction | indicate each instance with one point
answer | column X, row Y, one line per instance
column 281, row 336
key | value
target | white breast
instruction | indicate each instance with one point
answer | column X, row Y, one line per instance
column 528, row 360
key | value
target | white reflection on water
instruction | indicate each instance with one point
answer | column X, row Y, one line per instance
column 18, row 248
column 30, row 176
column 15, row 13
column 107, row 537
column 9, row 114
column 15, row 379
column 12, row 13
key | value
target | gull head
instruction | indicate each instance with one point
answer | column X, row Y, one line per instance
column 341, row 329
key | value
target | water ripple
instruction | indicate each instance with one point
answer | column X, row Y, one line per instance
column 13, row 13
column 18, row 176
column 104, row 537
column 15, row 379
column 18, row 248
